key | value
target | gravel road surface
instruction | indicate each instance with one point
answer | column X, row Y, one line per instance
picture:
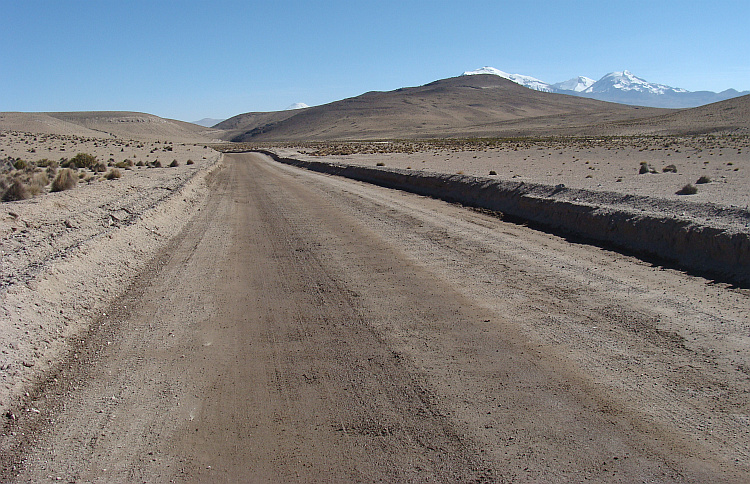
column 309, row 328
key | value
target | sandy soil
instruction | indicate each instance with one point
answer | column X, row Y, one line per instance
column 65, row 255
column 239, row 320
column 306, row 327
column 600, row 164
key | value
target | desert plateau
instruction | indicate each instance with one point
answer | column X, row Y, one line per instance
column 466, row 281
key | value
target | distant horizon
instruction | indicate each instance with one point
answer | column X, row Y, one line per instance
column 191, row 60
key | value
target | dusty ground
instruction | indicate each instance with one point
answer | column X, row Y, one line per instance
column 304, row 327
column 65, row 255
column 601, row 164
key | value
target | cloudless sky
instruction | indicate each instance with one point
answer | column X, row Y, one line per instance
column 193, row 59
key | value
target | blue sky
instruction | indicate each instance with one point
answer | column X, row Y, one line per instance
column 193, row 59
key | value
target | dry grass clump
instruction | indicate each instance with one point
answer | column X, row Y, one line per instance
column 688, row 189
column 113, row 174
column 16, row 191
column 703, row 179
column 669, row 169
column 174, row 163
column 66, row 179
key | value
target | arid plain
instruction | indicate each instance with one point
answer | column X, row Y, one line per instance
column 234, row 319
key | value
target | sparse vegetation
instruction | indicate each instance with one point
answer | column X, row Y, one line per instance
column 189, row 162
column 113, row 174
column 174, row 164
column 81, row 160
column 493, row 173
column 703, row 179
column 669, row 169
column 16, row 191
column 688, row 189
column 65, row 180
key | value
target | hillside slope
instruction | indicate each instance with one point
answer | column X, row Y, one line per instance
column 480, row 105
column 107, row 124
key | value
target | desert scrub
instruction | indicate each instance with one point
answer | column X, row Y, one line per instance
column 113, row 174
column 16, row 191
column 65, row 180
column 38, row 182
column 81, row 160
column 688, row 189
column 189, row 162
column 703, row 179
column 669, row 169
column 174, row 164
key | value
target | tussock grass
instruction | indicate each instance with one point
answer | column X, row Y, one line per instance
column 688, row 189
column 66, row 179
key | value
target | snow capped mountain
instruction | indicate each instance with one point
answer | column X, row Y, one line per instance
column 297, row 106
column 626, row 81
column 526, row 81
column 620, row 87
column 577, row 84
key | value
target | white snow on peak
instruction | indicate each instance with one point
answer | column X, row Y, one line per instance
column 297, row 106
column 527, row 81
column 626, row 81
column 577, row 84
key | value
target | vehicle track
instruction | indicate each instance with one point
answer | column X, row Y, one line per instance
column 309, row 328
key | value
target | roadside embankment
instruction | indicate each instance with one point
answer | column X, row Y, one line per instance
column 701, row 237
column 67, row 256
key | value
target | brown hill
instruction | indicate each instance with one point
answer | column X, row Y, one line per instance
column 731, row 117
column 238, row 125
column 107, row 124
column 481, row 105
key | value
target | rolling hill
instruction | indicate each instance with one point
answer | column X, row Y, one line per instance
column 107, row 124
column 480, row 105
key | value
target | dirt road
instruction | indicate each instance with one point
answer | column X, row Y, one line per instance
column 308, row 328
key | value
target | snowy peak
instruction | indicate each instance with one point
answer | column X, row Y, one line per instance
column 297, row 106
column 526, row 81
column 626, row 81
column 577, row 84
column 620, row 87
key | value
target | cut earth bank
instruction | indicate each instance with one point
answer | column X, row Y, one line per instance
column 618, row 191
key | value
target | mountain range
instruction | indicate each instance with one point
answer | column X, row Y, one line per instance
column 620, row 87
column 482, row 105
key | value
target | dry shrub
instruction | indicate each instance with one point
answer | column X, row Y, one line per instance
column 65, row 180
column 40, row 179
column 669, row 169
column 704, row 179
column 190, row 162
column 688, row 189
column 81, row 160
column 37, row 184
column 113, row 174
column 16, row 191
